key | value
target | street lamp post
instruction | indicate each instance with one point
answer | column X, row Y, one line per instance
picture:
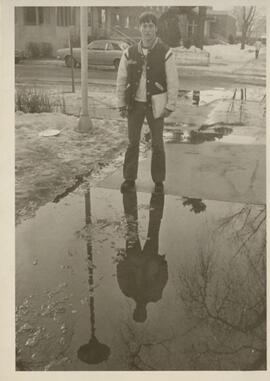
column 71, row 37
column 85, row 124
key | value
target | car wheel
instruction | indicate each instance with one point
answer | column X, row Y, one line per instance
column 68, row 61
column 116, row 63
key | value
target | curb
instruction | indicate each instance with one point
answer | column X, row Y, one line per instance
column 42, row 62
column 108, row 82
column 200, row 72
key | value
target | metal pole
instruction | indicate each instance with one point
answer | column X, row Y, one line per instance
column 85, row 124
column 72, row 60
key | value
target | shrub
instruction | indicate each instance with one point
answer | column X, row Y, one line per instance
column 37, row 100
column 231, row 39
column 46, row 49
column 42, row 49
column 33, row 50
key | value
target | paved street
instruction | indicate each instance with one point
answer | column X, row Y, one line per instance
column 56, row 73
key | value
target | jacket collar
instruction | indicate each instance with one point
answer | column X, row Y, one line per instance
column 151, row 48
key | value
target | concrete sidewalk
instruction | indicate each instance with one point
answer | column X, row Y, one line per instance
column 229, row 168
column 210, row 171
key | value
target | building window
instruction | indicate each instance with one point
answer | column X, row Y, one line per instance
column 73, row 15
column 47, row 15
column 192, row 28
column 65, row 16
column 30, row 16
column 40, row 12
column 89, row 17
column 103, row 16
column 33, row 15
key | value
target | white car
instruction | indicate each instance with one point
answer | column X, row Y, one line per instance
column 100, row 52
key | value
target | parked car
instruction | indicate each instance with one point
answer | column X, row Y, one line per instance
column 100, row 52
column 19, row 55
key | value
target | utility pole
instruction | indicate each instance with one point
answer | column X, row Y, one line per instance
column 85, row 123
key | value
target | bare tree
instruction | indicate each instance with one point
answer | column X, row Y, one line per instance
column 246, row 20
column 200, row 30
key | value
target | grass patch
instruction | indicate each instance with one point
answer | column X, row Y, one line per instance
column 37, row 100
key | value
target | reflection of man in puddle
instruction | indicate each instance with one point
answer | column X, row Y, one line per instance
column 143, row 273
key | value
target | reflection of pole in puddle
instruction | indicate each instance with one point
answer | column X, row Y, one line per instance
column 243, row 98
column 93, row 352
column 231, row 105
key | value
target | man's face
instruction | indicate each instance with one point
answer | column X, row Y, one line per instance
column 148, row 31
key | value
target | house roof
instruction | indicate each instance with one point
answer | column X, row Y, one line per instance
column 126, row 33
column 212, row 12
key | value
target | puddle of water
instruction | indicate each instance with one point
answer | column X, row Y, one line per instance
column 204, row 97
column 196, row 137
column 141, row 282
column 239, row 139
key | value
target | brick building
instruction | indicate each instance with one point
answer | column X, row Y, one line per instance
column 220, row 25
column 47, row 29
column 49, row 26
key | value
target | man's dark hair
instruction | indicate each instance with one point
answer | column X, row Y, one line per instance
column 148, row 17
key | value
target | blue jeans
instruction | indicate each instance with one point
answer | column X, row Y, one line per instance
column 135, row 121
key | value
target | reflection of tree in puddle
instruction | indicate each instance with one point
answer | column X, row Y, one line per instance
column 245, row 224
column 93, row 352
column 142, row 274
column 263, row 103
column 224, row 295
column 142, row 352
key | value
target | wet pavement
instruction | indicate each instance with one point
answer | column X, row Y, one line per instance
column 215, row 147
column 213, row 170
column 252, row 73
column 141, row 282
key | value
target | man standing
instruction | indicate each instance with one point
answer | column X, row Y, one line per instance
column 146, row 69
column 258, row 46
